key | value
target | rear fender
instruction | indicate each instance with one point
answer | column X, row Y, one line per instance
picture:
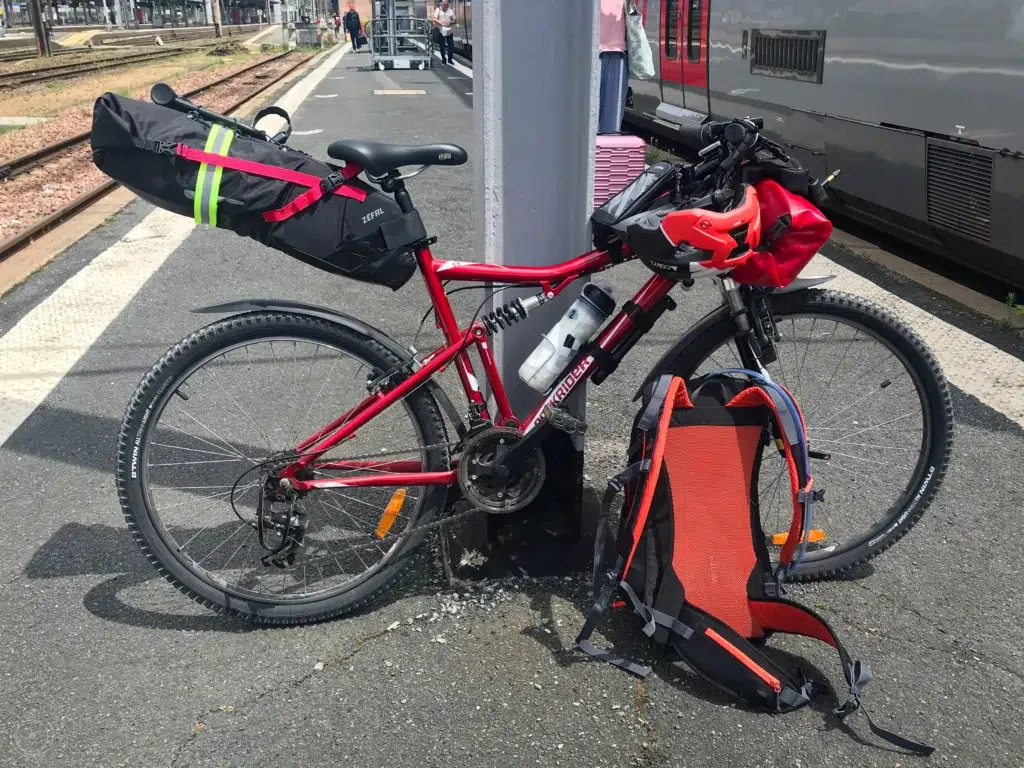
column 709, row 320
column 348, row 321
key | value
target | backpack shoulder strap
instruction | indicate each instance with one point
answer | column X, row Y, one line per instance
column 656, row 417
column 783, row 615
column 653, row 425
column 794, row 448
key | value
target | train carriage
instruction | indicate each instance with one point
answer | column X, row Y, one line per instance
column 919, row 102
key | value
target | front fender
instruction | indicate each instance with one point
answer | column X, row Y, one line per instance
column 702, row 326
column 346, row 320
column 710, row 319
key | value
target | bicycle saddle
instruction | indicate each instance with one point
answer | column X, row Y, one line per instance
column 378, row 158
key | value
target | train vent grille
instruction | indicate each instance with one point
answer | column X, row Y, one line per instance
column 960, row 191
column 789, row 54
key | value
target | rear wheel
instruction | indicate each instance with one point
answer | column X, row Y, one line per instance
column 218, row 414
column 876, row 404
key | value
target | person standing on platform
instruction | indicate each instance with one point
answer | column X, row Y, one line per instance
column 444, row 20
column 353, row 25
column 614, row 66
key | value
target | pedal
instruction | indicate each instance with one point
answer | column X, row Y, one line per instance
column 563, row 421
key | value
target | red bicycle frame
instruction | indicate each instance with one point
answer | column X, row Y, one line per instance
column 552, row 280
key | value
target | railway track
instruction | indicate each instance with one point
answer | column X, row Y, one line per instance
column 17, row 79
column 27, row 162
column 31, row 53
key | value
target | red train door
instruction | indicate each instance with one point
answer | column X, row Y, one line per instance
column 694, row 58
column 671, row 57
column 684, row 61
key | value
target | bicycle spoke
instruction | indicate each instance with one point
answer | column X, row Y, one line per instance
column 270, row 445
column 225, row 402
column 809, row 410
column 224, row 442
column 194, row 450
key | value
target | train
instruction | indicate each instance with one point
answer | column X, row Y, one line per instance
column 919, row 104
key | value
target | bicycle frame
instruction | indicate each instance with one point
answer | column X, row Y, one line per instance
column 552, row 280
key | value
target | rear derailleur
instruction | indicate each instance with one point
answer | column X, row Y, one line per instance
column 280, row 530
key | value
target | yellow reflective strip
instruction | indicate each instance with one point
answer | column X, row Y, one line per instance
column 197, row 202
column 215, row 185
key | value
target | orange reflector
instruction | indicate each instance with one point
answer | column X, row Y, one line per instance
column 817, row 534
column 390, row 513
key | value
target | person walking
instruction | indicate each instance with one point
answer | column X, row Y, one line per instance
column 444, row 20
column 353, row 25
column 337, row 29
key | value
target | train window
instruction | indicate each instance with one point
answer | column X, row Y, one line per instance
column 693, row 39
column 671, row 29
column 790, row 54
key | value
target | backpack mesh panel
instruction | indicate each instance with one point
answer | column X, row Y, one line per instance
column 709, row 468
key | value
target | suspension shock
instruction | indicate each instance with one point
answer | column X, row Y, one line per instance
column 511, row 312
column 741, row 316
column 504, row 316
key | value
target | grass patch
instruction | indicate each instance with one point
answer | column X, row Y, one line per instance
column 1011, row 303
column 56, row 96
column 659, row 155
column 10, row 129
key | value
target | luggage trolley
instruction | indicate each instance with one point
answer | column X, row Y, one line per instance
column 400, row 42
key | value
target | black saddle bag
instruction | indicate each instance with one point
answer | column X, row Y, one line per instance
column 272, row 193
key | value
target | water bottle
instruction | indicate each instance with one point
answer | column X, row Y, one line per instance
column 574, row 329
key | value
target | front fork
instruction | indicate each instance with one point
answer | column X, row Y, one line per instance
column 755, row 325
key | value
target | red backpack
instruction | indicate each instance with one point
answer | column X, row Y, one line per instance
column 690, row 553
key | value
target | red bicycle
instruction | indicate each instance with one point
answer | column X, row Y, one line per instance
column 282, row 463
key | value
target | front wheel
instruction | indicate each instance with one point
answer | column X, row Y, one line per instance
column 879, row 422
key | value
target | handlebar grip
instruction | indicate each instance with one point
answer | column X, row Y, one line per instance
column 732, row 131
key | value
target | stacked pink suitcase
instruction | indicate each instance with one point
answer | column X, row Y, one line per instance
column 619, row 160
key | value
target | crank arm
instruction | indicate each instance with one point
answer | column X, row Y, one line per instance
column 521, row 451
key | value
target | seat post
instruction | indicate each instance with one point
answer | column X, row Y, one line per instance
column 402, row 197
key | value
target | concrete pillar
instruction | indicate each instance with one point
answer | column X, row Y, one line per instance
column 535, row 86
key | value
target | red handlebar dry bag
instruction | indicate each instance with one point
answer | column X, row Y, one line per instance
column 793, row 229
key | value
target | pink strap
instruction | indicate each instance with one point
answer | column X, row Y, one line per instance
column 281, row 174
column 300, row 203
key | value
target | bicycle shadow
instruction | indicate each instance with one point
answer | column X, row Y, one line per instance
column 78, row 549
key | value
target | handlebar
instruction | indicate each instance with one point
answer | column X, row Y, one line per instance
column 730, row 142
column 732, row 131
column 164, row 96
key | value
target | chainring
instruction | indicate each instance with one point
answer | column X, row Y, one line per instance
column 481, row 477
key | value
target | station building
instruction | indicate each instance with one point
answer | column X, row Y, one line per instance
column 177, row 13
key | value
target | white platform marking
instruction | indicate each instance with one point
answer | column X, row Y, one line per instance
column 47, row 342
column 308, row 133
column 973, row 365
column 43, row 347
column 326, row 96
column 458, row 67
